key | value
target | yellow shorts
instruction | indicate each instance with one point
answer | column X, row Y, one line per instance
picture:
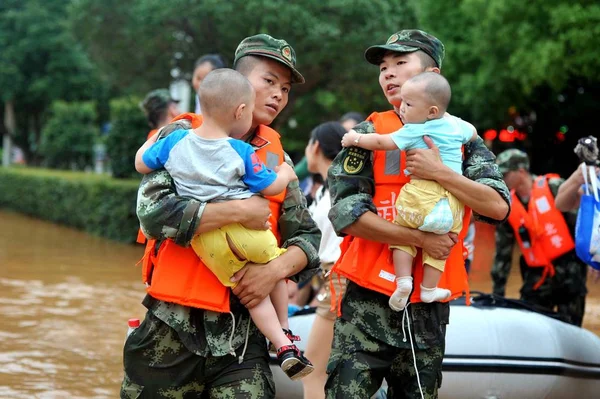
column 415, row 201
column 257, row 246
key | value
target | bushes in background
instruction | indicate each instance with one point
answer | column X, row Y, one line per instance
column 97, row 204
column 69, row 136
column 128, row 133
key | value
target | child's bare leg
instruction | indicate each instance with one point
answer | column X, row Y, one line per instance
column 402, row 268
column 429, row 289
column 265, row 318
column 279, row 299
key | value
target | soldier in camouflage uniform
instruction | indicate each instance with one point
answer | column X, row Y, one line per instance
column 369, row 341
column 565, row 291
column 181, row 352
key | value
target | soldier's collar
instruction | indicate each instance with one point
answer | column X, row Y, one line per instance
column 258, row 141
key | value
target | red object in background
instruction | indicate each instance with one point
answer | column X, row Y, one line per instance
column 506, row 136
column 490, row 134
column 560, row 136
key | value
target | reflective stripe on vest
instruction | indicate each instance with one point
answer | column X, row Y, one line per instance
column 549, row 235
column 368, row 263
column 176, row 274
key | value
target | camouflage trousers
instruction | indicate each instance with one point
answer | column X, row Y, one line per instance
column 564, row 293
column 358, row 364
column 158, row 365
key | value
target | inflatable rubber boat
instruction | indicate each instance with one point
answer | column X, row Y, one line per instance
column 498, row 349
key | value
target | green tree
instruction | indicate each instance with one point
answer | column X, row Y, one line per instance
column 137, row 43
column 128, row 133
column 69, row 136
column 40, row 62
column 502, row 53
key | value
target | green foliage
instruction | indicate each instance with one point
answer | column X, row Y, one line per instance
column 128, row 133
column 93, row 203
column 502, row 53
column 69, row 135
column 41, row 62
column 329, row 38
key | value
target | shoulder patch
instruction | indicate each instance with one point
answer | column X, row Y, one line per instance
column 354, row 161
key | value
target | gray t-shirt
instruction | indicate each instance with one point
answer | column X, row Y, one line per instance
column 210, row 170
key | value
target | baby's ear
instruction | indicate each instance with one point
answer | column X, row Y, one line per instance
column 239, row 111
column 434, row 112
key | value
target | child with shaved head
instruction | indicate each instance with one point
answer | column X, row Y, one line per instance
column 423, row 204
column 208, row 163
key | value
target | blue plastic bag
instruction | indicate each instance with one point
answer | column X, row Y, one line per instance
column 587, row 229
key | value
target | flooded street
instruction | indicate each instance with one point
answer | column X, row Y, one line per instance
column 65, row 298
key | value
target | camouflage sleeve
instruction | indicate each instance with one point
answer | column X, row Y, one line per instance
column 351, row 183
column 298, row 228
column 505, row 239
column 161, row 211
column 480, row 166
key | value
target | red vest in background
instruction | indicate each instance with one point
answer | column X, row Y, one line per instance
column 541, row 231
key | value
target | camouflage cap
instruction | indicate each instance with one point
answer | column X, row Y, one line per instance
column 157, row 100
column 266, row 46
column 408, row 41
column 512, row 159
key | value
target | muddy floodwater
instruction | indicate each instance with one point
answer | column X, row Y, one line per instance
column 65, row 298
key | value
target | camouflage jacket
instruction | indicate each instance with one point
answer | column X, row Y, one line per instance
column 571, row 272
column 165, row 215
column 351, row 197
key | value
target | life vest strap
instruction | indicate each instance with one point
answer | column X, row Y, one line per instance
column 548, row 270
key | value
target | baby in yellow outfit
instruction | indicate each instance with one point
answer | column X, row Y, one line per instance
column 423, row 204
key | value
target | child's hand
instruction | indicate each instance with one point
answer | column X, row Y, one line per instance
column 350, row 138
column 286, row 170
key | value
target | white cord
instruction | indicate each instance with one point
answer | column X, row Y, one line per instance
column 412, row 347
column 241, row 357
column 231, row 350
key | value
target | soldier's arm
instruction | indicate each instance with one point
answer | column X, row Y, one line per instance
column 164, row 214
column 299, row 234
column 569, row 193
column 505, row 239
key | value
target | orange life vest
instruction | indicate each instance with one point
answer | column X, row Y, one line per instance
column 544, row 225
column 369, row 263
column 151, row 133
column 176, row 274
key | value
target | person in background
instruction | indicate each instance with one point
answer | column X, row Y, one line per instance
column 351, row 119
column 202, row 67
column 469, row 244
column 310, row 183
column 322, row 148
column 159, row 108
column 553, row 276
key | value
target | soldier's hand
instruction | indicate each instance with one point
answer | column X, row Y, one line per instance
column 256, row 213
column 255, row 282
column 425, row 163
column 439, row 245
column 593, row 275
